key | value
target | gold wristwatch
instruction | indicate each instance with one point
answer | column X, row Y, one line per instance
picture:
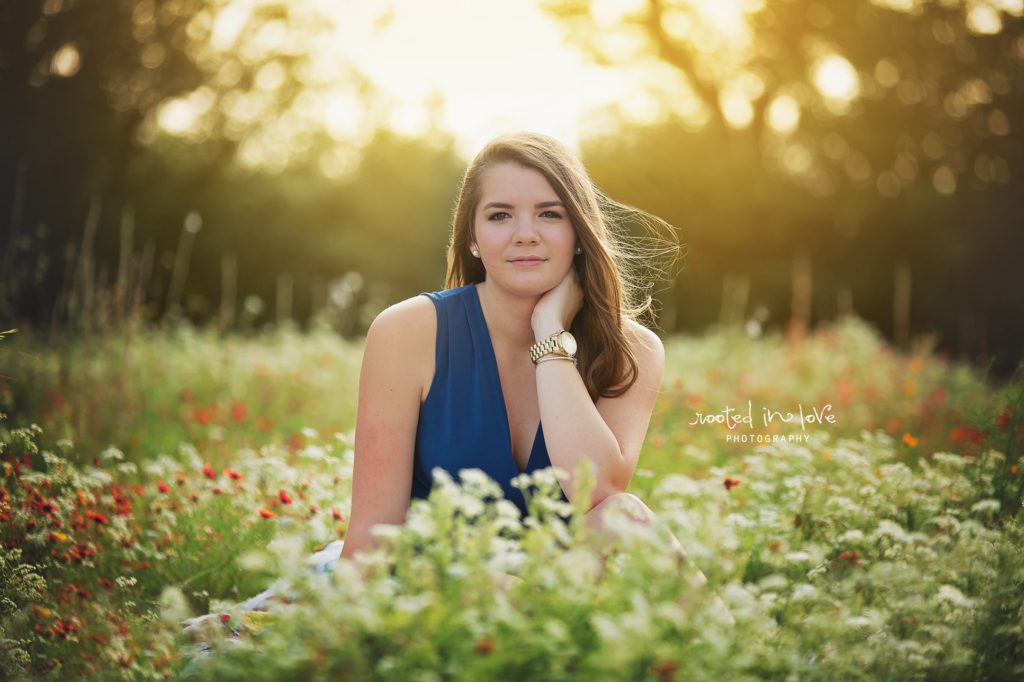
column 560, row 343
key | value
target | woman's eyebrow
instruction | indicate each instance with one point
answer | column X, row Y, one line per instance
column 543, row 204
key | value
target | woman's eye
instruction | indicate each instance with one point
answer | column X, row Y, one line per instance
column 554, row 214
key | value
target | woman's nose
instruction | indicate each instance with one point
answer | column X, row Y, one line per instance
column 525, row 230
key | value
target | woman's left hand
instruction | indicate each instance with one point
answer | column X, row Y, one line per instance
column 557, row 308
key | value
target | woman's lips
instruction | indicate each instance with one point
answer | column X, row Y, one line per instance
column 528, row 262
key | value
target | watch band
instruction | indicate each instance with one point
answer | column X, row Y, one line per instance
column 548, row 345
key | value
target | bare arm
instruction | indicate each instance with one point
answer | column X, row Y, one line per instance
column 609, row 432
column 398, row 354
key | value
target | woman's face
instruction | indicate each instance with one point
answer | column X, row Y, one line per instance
column 519, row 215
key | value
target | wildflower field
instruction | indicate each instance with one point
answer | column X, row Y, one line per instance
column 151, row 477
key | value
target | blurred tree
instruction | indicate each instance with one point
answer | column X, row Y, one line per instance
column 864, row 133
column 143, row 104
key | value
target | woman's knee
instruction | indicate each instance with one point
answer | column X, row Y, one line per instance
column 633, row 505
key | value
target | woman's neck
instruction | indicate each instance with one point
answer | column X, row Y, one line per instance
column 508, row 316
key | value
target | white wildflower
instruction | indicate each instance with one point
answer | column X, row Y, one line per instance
column 414, row 603
column 887, row 527
column 772, row 582
column 983, row 506
column 803, row 592
column 129, row 468
column 314, row 453
column 948, row 593
column 112, row 453
column 852, row 535
column 953, row 460
column 739, row 521
column 476, row 481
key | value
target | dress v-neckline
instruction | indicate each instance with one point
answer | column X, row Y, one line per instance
column 497, row 377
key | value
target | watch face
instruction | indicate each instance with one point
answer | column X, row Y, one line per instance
column 568, row 342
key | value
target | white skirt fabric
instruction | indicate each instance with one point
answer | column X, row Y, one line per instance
column 200, row 626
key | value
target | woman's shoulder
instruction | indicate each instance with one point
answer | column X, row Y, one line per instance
column 405, row 333
column 642, row 339
column 406, row 318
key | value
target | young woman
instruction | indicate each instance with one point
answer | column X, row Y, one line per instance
column 531, row 356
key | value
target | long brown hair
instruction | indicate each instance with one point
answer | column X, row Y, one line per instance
column 607, row 267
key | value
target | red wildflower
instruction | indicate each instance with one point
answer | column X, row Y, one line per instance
column 232, row 474
column 266, row 513
column 666, row 671
column 284, row 497
column 852, row 556
column 485, row 646
column 105, row 582
column 966, row 433
column 163, row 487
column 217, row 490
column 203, row 415
column 337, row 514
column 730, row 482
column 239, row 412
column 208, row 471
column 1003, row 420
column 225, row 617
column 97, row 517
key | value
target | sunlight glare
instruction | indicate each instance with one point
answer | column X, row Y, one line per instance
column 784, row 114
column 837, row 80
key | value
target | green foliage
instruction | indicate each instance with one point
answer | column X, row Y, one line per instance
column 872, row 549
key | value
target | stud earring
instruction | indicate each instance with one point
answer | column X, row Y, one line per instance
column 578, row 250
column 475, row 252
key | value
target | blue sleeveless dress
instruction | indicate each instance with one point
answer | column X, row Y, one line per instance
column 463, row 422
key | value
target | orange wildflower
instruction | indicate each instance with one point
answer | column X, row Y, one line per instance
column 239, row 412
column 910, row 441
column 266, row 513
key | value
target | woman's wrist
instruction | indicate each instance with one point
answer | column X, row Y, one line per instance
column 542, row 329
